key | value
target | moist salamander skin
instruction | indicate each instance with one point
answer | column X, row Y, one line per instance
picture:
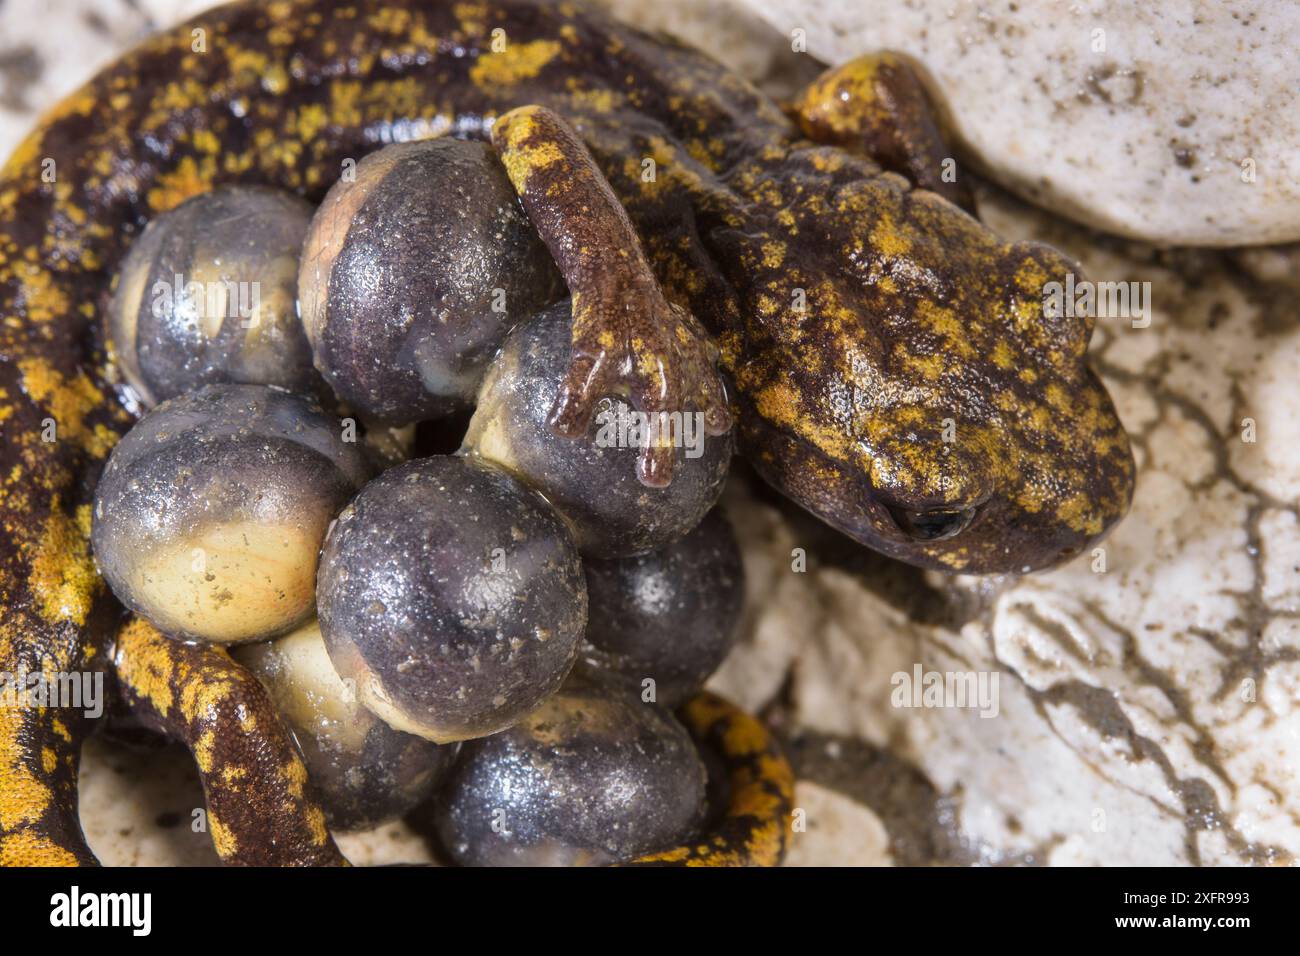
column 860, row 322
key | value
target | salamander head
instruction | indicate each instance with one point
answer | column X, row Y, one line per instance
column 919, row 394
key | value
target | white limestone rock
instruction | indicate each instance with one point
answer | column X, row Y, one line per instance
column 1141, row 129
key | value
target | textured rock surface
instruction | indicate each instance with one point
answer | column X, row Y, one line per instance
column 1126, row 732
column 1144, row 137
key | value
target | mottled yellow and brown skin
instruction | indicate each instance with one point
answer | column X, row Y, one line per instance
column 853, row 313
column 876, row 104
column 254, row 779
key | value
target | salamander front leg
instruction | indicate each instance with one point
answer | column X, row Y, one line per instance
column 629, row 341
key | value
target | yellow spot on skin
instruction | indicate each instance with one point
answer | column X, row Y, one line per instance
column 779, row 403
column 522, row 148
column 926, row 366
column 516, row 63
column 944, row 323
column 63, row 578
column 1031, row 498
column 595, row 100
column 29, row 849
column 745, row 737
column 201, row 698
column 320, row 833
column 471, row 17
column 344, row 108
column 1058, row 398
column 311, row 120
column 1031, row 277
column 521, row 163
column 206, row 141
column 144, row 666
column 247, row 65
column 68, row 402
column 188, row 179
column 204, row 749
column 887, row 240
column 23, row 797
column 275, row 80
column 1076, row 512
column 954, row 559
column 25, row 160
column 38, row 295
column 391, row 20
column 295, row 778
column 677, row 855
column 223, row 840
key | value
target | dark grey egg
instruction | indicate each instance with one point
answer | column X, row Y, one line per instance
column 209, row 294
column 364, row 772
column 413, row 273
column 662, row 622
column 210, row 513
column 591, row 777
column 592, row 481
column 453, row 596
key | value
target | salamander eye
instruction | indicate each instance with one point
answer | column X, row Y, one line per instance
column 934, row 525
